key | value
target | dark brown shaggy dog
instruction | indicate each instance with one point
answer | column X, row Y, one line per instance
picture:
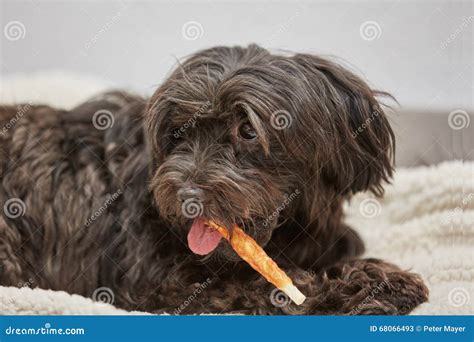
column 273, row 143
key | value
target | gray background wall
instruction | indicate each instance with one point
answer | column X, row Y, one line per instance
column 422, row 53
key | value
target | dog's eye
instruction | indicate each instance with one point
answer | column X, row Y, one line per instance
column 246, row 131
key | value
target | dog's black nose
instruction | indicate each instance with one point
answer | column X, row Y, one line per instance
column 188, row 193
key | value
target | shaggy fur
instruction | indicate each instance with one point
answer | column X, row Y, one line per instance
column 104, row 208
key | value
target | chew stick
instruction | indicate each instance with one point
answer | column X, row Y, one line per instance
column 255, row 256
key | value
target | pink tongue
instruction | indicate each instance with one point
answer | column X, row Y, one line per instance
column 202, row 240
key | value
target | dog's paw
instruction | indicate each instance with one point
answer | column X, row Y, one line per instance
column 360, row 287
column 374, row 287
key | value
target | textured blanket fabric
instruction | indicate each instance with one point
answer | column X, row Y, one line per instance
column 26, row 301
column 424, row 223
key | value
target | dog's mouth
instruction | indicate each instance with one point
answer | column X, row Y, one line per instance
column 202, row 239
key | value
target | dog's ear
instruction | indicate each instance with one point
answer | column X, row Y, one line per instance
column 354, row 135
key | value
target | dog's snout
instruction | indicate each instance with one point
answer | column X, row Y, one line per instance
column 190, row 192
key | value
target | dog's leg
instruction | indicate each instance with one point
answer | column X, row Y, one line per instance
column 356, row 287
column 360, row 287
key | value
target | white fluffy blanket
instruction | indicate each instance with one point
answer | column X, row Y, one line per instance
column 424, row 223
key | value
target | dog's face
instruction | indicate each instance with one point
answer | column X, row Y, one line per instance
column 241, row 136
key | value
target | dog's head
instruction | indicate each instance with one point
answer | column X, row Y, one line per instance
column 245, row 137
